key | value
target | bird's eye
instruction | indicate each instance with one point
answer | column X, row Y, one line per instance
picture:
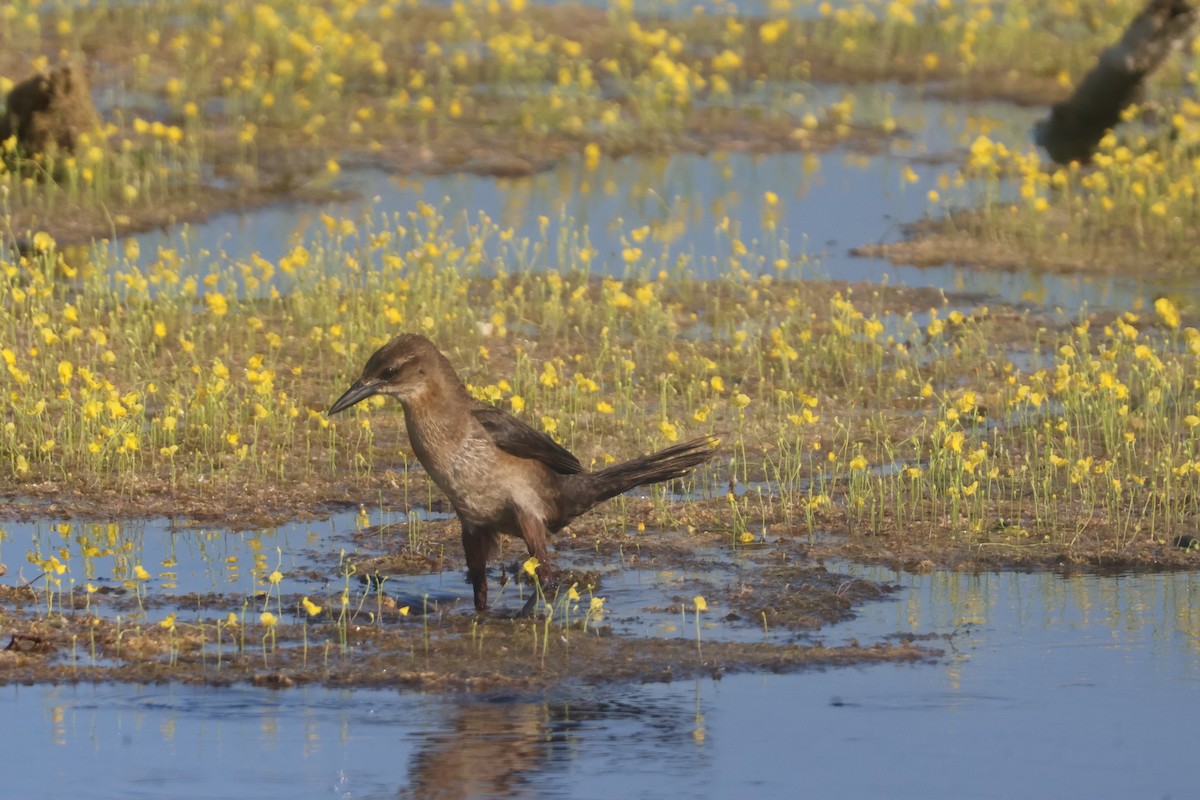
column 389, row 373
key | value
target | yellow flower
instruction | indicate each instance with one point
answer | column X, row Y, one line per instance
column 275, row 577
column 268, row 619
column 596, row 606
column 668, row 430
column 311, row 608
column 168, row 623
column 701, row 603
column 42, row 242
column 573, row 593
column 530, row 566
column 140, row 573
column 217, row 303
column 771, row 31
column 1167, row 312
column 604, row 407
column 518, row 403
column 591, row 155
column 741, row 400
column 726, row 61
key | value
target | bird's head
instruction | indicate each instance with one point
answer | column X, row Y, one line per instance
column 405, row 368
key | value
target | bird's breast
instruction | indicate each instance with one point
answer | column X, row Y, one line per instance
column 483, row 483
column 470, row 475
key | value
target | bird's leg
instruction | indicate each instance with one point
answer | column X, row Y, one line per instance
column 475, row 547
column 535, row 534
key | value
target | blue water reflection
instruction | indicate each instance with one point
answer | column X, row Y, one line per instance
column 700, row 207
column 1080, row 687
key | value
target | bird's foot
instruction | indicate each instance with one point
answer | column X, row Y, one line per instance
column 530, row 607
column 541, row 599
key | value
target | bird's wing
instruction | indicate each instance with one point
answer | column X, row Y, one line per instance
column 516, row 438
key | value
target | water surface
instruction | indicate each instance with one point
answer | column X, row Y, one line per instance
column 1078, row 687
column 695, row 205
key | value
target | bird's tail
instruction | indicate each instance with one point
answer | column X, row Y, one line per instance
column 665, row 465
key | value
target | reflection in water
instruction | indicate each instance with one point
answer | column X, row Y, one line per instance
column 486, row 750
column 1088, row 684
column 180, row 560
column 179, row 741
column 698, row 207
column 197, row 560
column 508, row 747
column 1131, row 613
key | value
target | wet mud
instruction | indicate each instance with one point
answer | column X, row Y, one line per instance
column 406, row 623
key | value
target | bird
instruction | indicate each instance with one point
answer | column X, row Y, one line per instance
column 501, row 475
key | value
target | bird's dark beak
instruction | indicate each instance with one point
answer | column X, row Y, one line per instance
column 358, row 392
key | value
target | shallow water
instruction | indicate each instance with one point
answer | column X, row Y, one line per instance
column 1079, row 686
column 647, row 593
column 828, row 204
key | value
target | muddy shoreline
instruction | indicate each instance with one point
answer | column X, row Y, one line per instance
column 393, row 637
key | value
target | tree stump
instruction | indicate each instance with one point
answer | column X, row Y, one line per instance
column 49, row 111
column 1077, row 125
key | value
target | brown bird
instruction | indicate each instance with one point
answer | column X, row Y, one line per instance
column 501, row 475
